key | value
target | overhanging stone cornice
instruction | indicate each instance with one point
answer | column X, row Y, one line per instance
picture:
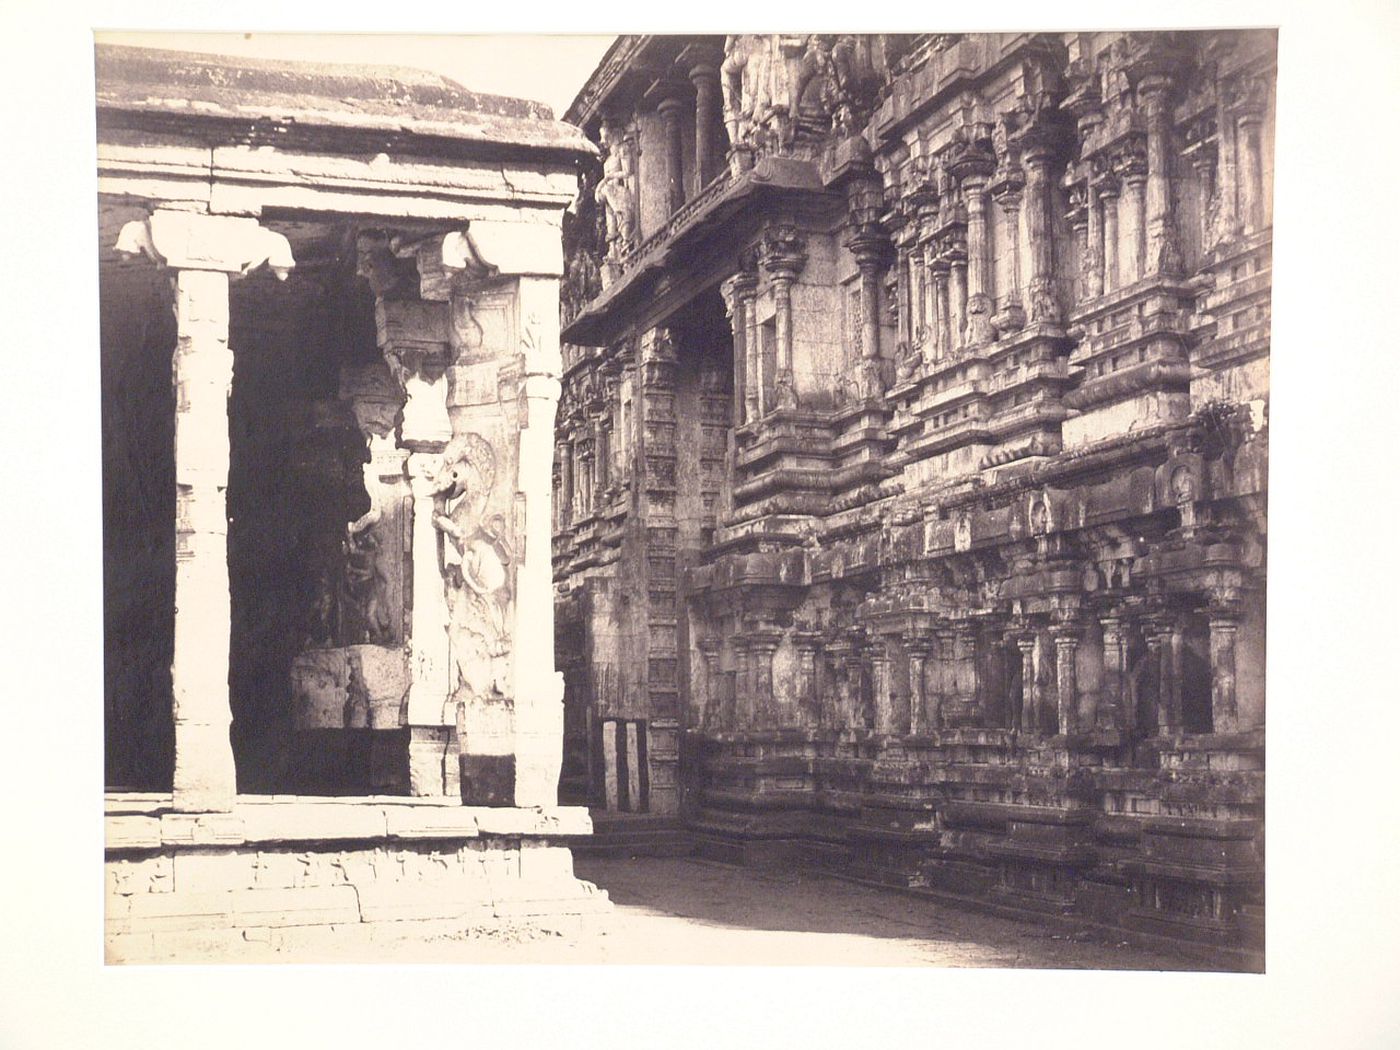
column 670, row 252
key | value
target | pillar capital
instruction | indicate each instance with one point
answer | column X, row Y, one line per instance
column 782, row 252
column 185, row 240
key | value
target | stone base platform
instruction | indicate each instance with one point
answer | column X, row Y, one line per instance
column 196, row 887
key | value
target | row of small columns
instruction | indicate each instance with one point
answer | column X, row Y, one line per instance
column 759, row 383
column 672, row 103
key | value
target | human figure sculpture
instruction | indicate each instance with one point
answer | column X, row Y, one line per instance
column 614, row 193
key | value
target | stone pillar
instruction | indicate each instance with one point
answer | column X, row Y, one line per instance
column 880, row 673
column 413, row 336
column 957, row 293
column 918, row 646
column 707, row 715
column 945, row 676
column 1249, row 120
column 783, row 255
column 1108, row 200
column 744, row 714
column 761, row 647
column 1132, row 168
column 538, row 688
column 1166, row 642
column 1094, row 242
column 1011, row 314
column 940, row 267
column 1066, row 685
column 1204, row 165
column 869, row 246
column 973, row 172
column 566, row 484
column 1224, row 625
column 1030, row 689
column 204, row 251
column 1115, row 671
column 705, row 77
column 672, row 110
column 739, row 292
column 1163, row 245
column 1043, row 308
column 808, row 709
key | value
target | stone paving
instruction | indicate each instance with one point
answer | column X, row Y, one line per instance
column 690, row 911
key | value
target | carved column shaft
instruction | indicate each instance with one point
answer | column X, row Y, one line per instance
column 1226, row 175
column 918, row 714
column 1163, row 251
column 884, row 707
column 1224, row 628
column 957, row 299
column 204, row 776
column 1030, row 687
column 1094, row 234
column 1250, row 123
column 1011, row 310
column 1066, row 682
column 1167, row 645
column 1039, row 235
column 1115, row 672
column 705, row 77
column 1108, row 197
column 979, row 272
column 1131, row 226
column 671, row 111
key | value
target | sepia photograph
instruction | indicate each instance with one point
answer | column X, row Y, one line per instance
column 812, row 492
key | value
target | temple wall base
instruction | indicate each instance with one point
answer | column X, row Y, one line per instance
column 304, row 876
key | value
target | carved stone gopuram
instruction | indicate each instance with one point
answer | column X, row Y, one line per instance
column 911, row 466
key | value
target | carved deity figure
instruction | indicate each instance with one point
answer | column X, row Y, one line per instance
column 746, row 83
column 615, row 193
column 477, row 553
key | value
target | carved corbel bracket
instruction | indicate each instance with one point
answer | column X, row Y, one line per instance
column 193, row 241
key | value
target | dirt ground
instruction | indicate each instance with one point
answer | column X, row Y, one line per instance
column 690, row 911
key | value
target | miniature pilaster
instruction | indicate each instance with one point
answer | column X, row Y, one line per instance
column 973, row 171
column 869, row 246
column 1224, row 626
column 1011, row 314
column 1132, row 169
column 1043, row 308
column 1248, row 111
column 1066, row 684
column 204, row 251
column 783, row 255
column 957, row 292
column 1115, row 711
column 1030, row 687
column 1108, row 202
column 1163, row 246
column 880, row 674
column 917, row 645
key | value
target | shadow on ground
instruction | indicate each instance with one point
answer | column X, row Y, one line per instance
column 710, row 912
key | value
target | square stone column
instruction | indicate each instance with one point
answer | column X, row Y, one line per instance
column 204, row 251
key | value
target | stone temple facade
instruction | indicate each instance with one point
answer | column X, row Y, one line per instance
column 911, row 466
column 330, row 366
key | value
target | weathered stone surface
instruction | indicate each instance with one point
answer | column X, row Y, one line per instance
column 949, row 511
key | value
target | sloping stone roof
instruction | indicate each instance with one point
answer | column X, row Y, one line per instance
column 351, row 98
